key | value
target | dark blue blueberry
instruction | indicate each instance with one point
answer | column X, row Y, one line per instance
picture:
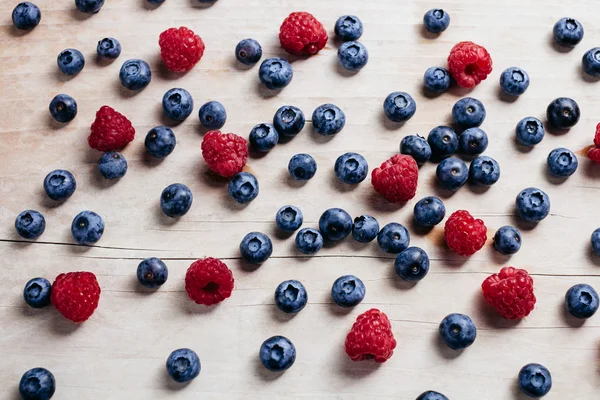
column 309, row 241
column 30, row 224
column 89, row 6
column 277, row 353
column 37, row 292
column 160, row 141
column 70, row 61
column 26, row 15
column 484, row 171
column 59, row 184
column 399, row 106
column 335, row 224
column 178, row 104
column 533, row 205
column 112, row 165
column 183, row 365
column 473, row 141
column 248, row 51
column 568, row 32
column 507, row 240
column 256, row 247
column 353, row 56
column 412, row 264
column 452, row 173
column 155, row 1
column 436, row 20
column 289, row 218
column 365, row 228
column 393, row 238
column 243, row 187
column 348, row 291
column 290, row 296
column 152, row 272
column 275, row 73
column 563, row 113
column 351, row 168
column 581, row 301
column 63, row 108
column 176, row 200
column 468, row 112
column 328, row 119
column 87, row 227
column 263, row 137
column 429, row 211
column 348, row 27
column 302, row 167
column 596, row 241
column 417, row 147
column 562, row 162
column 437, row 79
column 591, row 62
column 135, row 74
column 289, row 120
column 443, row 142
column 37, row 384
column 535, row 380
column 458, row 331
column 431, row 395
column 530, row 131
column 514, row 81
column 108, row 48
column 212, row 115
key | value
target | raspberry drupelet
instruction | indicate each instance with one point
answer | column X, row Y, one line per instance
column 464, row 234
column 469, row 64
column 110, row 130
column 371, row 337
column 510, row 292
column 301, row 34
column 180, row 49
column 208, row 281
column 225, row 153
column 397, row 178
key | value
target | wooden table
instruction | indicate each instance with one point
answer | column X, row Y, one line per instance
column 120, row 352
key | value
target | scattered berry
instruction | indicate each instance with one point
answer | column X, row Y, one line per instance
column 26, row 15
column 248, row 51
column 302, row 167
column 263, row 137
column 353, row 56
column 59, row 184
column 37, row 292
column 108, row 48
column 582, row 301
column 563, row 113
column 464, row 234
column 348, row 28
column 443, row 142
column 596, row 241
column 371, row 337
column 30, row 224
column 183, row 365
column 562, row 162
column 351, row 168
column 156, row 2
column 70, row 61
column 290, row 297
column 436, row 20
column 243, row 187
column 417, row 147
column 275, row 73
column 208, row 281
column 429, row 211
column 568, row 32
column 178, row 104
column 437, row 79
column 87, row 227
column 289, row 218
column 212, row 115
column 507, row 240
column 469, row 64
column 468, row 112
column 225, row 153
column 302, row 34
column 514, row 81
column 412, row 264
column 530, row 131
column 89, row 6
column 335, row 224
column 63, row 108
column 110, row 130
column 591, row 62
column 452, row 173
column 277, row 353
column 309, row 241
column 37, row 384
column 484, row 171
column 473, row 141
column 152, row 272
column 180, row 49
column 160, row 141
column 176, row 200
column 135, row 74
column 533, row 205
column 365, row 229
column 112, row 165
column 431, row 395
column 393, row 238
column 289, row 120
column 76, row 295
column 399, row 106
column 256, row 248
column 458, row 331
column 348, row 291
column 328, row 119
column 510, row 292
column 535, row 380
column 396, row 179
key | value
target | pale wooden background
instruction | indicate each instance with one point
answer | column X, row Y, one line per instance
column 120, row 352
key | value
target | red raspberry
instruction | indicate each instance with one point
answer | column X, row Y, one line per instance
column 469, row 64
column 594, row 154
column 75, row 295
column 396, row 179
column 180, row 49
column 370, row 337
column 597, row 136
column 510, row 292
column 464, row 234
column 302, row 34
column 225, row 153
column 111, row 130
column 208, row 281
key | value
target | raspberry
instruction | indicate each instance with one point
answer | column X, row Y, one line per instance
column 469, row 64
column 594, row 154
column 208, row 281
column 111, row 130
column 75, row 295
column 302, row 34
column 597, row 136
column 225, row 153
column 464, row 234
column 370, row 337
column 396, row 179
column 180, row 49
column 510, row 292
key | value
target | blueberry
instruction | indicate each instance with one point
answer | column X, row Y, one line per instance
column 535, row 380
column 248, row 51
column 452, row 173
column 256, row 247
column 393, row 238
column 70, row 61
column 275, row 73
column 335, row 224
column 533, row 205
column 59, row 184
column 183, row 365
column 135, row 74
column 108, row 48
column 348, row 291
column 458, row 331
column 468, row 112
column 290, row 297
column 152, row 272
column 507, row 240
column 289, row 218
column 160, row 141
column 112, row 165
column 365, row 228
column 563, row 113
column 443, row 142
column 155, row 1
column 582, row 301
column 514, row 81
column 417, row 147
column 277, row 353
column 437, row 79
column 63, row 108
column 562, row 162
column 243, row 187
column 484, row 171
column 399, row 106
column 591, row 62
column 431, row 395
column 530, row 131
column 212, row 115
column 309, row 241
column 429, row 211
column 37, row 292
column 87, row 227
column 177, row 104
column 473, row 141
column 176, row 200
column 596, row 241
column 26, row 15
column 328, row 119
column 436, row 20
column 412, row 264
column 37, row 384
column 348, row 28
column 30, row 224
column 351, row 168
column 289, row 120
column 568, row 32
column 353, row 56
column 89, row 6
column 302, row 167
column 263, row 137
